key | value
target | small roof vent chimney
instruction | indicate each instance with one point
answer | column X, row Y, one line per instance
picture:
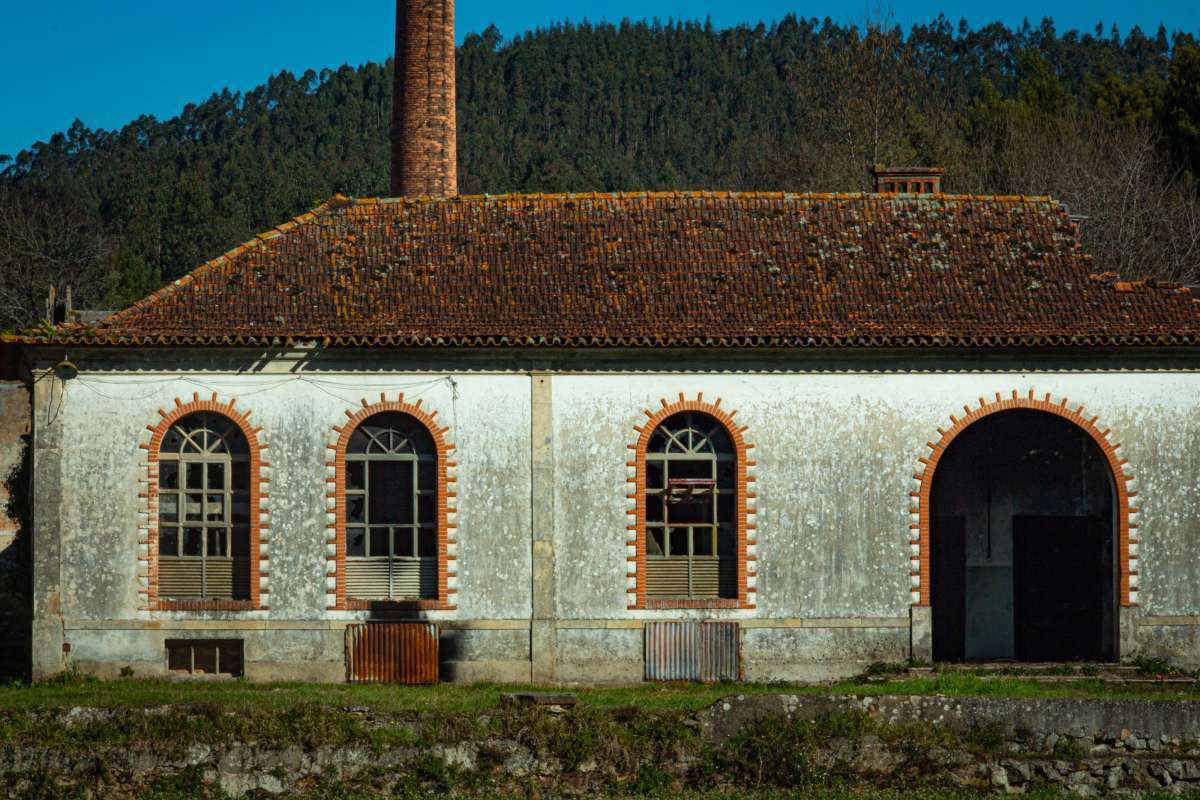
column 424, row 147
column 907, row 180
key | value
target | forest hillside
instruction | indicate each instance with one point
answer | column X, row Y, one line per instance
column 1107, row 122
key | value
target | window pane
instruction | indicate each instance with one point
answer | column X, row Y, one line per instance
column 189, row 443
column 236, row 442
column 427, row 474
column 358, row 441
column 654, row 542
column 214, row 508
column 726, row 507
column 658, row 442
column 654, row 508
column 356, row 475
column 356, row 508
column 193, row 507
column 699, row 509
column 378, row 437
column 679, row 542
column 195, row 475
column 193, row 541
column 702, row 541
column 404, row 543
column 379, row 542
column 697, row 468
column 168, row 474
column 172, row 440
column 241, row 542
column 356, row 542
column 168, row 542
column 241, row 476
column 726, row 473
column 216, row 476
column 391, row 497
column 726, row 541
column 654, row 474
column 217, row 544
column 241, row 508
column 427, row 543
column 427, row 509
column 168, row 508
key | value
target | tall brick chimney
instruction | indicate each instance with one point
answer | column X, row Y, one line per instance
column 424, row 150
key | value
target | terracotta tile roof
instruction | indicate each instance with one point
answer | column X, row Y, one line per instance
column 679, row 269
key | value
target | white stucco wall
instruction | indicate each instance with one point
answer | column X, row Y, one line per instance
column 836, row 457
column 104, row 419
column 836, row 447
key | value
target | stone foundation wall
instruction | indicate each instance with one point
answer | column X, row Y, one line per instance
column 1082, row 747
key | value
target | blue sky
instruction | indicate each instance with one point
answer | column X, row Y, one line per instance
column 108, row 62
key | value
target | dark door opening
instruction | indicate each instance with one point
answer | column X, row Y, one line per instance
column 1021, row 542
column 1058, row 578
column 948, row 594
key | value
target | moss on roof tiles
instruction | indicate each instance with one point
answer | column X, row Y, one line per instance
column 662, row 268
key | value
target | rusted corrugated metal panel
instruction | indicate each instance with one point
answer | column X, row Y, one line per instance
column 392, row 652
column 692, row 651
column 720, row 651
column 672, row 651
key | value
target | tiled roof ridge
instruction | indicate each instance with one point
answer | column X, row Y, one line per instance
column 705, row 194
column 332, row 205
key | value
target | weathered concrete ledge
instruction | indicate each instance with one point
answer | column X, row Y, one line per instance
column 1150, row 720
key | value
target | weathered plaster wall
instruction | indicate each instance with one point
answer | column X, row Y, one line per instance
column 14, row 562
column 836, row 445
column 836, row 455
column 104, row 418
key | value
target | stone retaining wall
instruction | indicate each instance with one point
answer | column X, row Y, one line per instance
column 1082, row 747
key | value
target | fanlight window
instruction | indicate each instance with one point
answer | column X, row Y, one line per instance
column 691, row 503
column 391, row 495
column 204, row 510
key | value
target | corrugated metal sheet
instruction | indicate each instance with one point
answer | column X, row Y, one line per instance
column 211, row 577
column 180, row 577
column 720, row 651
column 383, row 578
column 699, row 576
column 392, row 652
column 666, row 577
column 693, row 651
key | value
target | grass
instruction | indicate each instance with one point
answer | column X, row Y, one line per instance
column 70, row 691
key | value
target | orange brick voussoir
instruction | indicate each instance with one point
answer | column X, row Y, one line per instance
column 746, row 594
column 446, row 531
column 920, row 499
column 258, row 529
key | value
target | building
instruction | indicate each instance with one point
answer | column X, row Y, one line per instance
column 865, row 427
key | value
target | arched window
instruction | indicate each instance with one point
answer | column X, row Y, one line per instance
column 204, row 510
column 691, row 507
column 391, row 514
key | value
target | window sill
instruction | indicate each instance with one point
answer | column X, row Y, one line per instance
column 397, row 606
column 205, row 605
column 686, row 602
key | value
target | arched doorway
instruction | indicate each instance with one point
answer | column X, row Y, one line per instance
column 1023, row 544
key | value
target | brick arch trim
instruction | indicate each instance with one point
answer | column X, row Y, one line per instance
column 1125, row 512
column 746, row 510
column 259, row 533
column 447, row 528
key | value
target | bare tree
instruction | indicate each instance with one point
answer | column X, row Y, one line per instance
column 47, row 241
column 1138, row 215
column 860, row 97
